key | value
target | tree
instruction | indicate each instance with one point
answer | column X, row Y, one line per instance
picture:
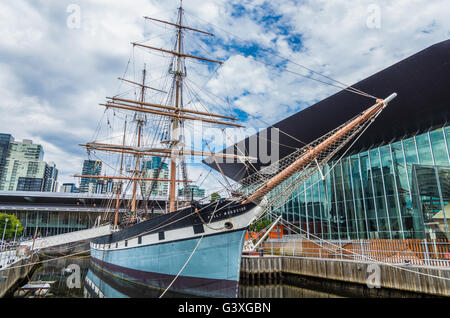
column 215, row 196
column 260, row 225
column 10, row 226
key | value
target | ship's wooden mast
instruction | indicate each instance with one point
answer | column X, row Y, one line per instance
column 137, row 156
column 175, row 123
column 119, row 186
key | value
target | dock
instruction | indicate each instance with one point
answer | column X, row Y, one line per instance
column 348, row 275
column 16, row 272
column 16, row 264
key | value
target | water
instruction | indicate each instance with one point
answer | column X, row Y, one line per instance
column 78, row 278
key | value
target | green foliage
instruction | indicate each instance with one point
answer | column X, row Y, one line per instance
column 258, row 226
column 215, row 196
column 10, row 226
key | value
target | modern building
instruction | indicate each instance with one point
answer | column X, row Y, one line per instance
column 25, row 170
column 5, row 140
column 51, row 180
column 158, row 169
column 69, row 187
column 90, row 168
column 51, row 213
column 100, row 186
column 394, row 180
column 192, row 190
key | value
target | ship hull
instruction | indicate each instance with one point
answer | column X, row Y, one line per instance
column 213, row 270
column 206, row 263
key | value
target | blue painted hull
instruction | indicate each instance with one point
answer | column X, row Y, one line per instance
column 212, row 271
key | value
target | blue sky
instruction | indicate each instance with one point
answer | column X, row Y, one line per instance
column 53, row 74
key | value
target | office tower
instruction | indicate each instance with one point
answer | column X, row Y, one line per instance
column 25, row 170
column 5, row 140
column 91, row 168
column 155, row 168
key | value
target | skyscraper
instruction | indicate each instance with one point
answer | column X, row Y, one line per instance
column 155, row 168
column 51, row 178
column 25, row 170
column 5, row 140
column 91, row 168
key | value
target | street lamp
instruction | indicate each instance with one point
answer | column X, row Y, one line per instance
column 4, row 231
column 17, row 225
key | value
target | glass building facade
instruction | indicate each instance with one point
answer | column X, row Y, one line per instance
column 397, row 190
column 54, row 222
column 5, row 140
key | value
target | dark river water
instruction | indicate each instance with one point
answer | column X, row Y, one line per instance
column 77, row 278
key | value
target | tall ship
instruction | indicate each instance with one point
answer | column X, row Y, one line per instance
column 195, row 247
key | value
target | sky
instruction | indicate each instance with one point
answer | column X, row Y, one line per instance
column 60, row 59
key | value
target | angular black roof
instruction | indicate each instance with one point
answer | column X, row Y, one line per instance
column 423, row 103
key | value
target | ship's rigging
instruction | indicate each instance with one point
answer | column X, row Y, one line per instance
column 289, row 172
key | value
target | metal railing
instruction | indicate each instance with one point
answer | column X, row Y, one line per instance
column 394, row 251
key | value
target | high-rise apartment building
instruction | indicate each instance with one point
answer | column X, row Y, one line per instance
column 155, row 168
column 51, row 178
column 24, row 168
column 5, row 140
column 90, row 168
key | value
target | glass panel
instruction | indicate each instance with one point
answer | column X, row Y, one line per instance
column 399, row 167
column 447, row 137
column 410, row 151
column 439, row 148
column 430, row 198
column 409, row 146
column 356, row 178
column 388, row 176
column 423, row 147
column 444, row 182
column 311, row 212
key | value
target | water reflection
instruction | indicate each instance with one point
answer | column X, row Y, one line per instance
column 103, row 285
column 91, row 282
column 57, row 273
column 281, row 291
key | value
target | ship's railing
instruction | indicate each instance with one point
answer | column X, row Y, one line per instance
column 393, row 251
